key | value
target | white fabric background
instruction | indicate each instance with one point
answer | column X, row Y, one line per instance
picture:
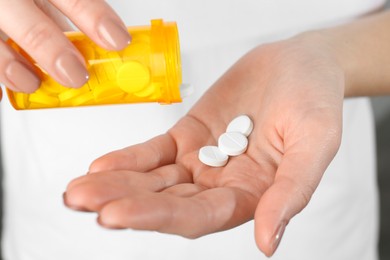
column 44, row 150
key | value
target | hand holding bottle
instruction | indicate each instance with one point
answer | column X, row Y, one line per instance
column 37, row 26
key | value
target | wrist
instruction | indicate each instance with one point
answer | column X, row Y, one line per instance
column 361, row 49
column 327, row 52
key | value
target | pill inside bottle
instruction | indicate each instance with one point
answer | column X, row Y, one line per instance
column 147, row 70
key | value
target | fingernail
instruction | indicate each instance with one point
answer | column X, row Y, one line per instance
column 21, row 77
column 70, row 70
column 101, row 223
column 278, row 237
column 113, row 33
column 64, row 198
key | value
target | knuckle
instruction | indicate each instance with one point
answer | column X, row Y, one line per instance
column 76, row 6
column 192, row 235
column 305, row 194
column 302, row 192
column 36, row 35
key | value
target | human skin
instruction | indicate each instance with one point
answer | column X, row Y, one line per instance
column 39, row 31
column 295, row 101
column 293, row 90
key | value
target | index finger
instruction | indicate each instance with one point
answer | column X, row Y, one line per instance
column 207, row 212
column 98, row 20
column 44, row 41
column 147, row 156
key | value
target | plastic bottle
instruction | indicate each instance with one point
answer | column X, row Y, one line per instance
column 148, row 70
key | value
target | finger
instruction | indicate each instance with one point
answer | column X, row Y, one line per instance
column 296, row 179
column 98, row 21
column 184, row 190
column 172, row 174
column 210, row 211
column 41, row 38
column 15, row 72
column 154, row 153
column 92, row 191
column 54, row 14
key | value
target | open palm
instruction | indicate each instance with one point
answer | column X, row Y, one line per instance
column 292, row 92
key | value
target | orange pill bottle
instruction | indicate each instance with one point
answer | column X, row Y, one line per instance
column 148, row 70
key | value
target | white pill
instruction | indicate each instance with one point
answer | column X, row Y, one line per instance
column 242, row 124
column 212, row 156
column 233, row 143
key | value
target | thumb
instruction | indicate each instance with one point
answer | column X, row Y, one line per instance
column 296, row 179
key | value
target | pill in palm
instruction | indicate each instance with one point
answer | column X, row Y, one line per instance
column 242, row 124
column 212, row 156
column 233, row 143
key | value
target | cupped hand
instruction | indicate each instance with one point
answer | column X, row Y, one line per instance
column 37, row 26
column 293, row 91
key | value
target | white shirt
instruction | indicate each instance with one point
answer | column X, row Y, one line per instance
column 45, row 149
